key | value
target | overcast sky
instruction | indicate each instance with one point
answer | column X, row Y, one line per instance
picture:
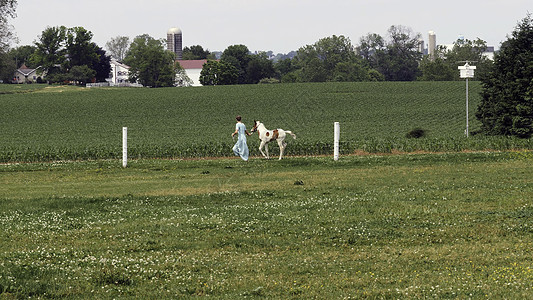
column 277, row 25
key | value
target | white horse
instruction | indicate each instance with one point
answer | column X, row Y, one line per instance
column 266, row 136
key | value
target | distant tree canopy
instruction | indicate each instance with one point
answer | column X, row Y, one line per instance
column 219, row 73
column 330, row 59
column 237, row 66
column 507, row 96
column 444, row 65
column 396, row 58
column 60, row 49
column 7, row 65
column 150, row 64
column 196, row 52
column 118, row 47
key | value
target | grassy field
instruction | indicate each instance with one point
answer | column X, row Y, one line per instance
column 454, row 225
column 50, row 123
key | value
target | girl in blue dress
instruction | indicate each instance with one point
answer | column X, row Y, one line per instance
column 241, row 148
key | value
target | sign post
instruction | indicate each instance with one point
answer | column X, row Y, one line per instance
column 336, row 134
column 466, row 71
column 124, row 146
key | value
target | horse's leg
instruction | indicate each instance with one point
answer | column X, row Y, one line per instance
column 261, row 149
column 266, row 150
column 281, row 145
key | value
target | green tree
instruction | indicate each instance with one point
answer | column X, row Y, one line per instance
column 507, row 96
column 7, row 10
column 219, row 73
column 239, row 57
column 472, row 51
column 80, row 74
column 438, row 69
column 82, row 51
column 330, row 59
column 22, row 55
column 195, row 52
column 371, row 48
column 259, row 67
column 283, row 67
column 396, row 58
column 50, row 52
column 118, row 47
column 150, row 64
column 401, row 57
column 59, row 49
column 102, row 66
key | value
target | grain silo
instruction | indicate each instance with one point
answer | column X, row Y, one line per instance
column 174, row 41
column 432, row 46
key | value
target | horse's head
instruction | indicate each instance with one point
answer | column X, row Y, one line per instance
column 256, row 124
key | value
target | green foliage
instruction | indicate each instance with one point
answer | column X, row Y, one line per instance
column 438, row 69
column 77, row 124
column 444, row 65
column 507, row 103
column 118, row 47
column 251, row 68
column 50, row 52
column 81, row 74
column 218, row 73
column 330, row 59
column 57, row 43
column 195, row 52
column 7, row 10
column 416, row 133
column 397, row 59
column 150, row 64
column 22, row 55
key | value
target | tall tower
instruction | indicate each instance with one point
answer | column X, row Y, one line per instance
column 432, row 46
column 174, row 41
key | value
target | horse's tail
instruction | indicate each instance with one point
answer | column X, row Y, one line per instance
column 290, row 132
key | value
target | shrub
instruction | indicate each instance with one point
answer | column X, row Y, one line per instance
column 416, row 133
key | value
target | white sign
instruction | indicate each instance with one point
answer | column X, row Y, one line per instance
column 466, row 71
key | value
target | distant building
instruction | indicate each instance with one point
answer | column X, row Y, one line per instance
column 119, row 73
column 27, row 75
column 192, row 69
column 174, row 42
column 432, row 46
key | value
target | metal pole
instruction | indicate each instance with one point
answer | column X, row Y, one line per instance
column 466, row 107
column 336, row 134
column 124, row 146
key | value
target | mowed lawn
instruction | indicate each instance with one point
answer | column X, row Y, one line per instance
column 456, row 225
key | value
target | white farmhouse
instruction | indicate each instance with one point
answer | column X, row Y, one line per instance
column 119, row 73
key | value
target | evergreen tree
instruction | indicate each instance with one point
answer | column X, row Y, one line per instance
column 507, row 95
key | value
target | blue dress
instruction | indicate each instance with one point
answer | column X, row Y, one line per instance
column 240, row 148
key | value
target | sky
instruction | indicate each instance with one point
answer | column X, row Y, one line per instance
column 280, row 26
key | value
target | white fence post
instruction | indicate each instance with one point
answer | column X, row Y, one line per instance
column 337, row 134
column 124, row 146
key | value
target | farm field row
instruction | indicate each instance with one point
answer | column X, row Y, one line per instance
column 455, row 225
column 65, row 123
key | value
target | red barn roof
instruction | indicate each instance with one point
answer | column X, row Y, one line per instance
column 192, row 64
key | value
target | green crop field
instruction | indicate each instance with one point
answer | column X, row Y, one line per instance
column 50, row 123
